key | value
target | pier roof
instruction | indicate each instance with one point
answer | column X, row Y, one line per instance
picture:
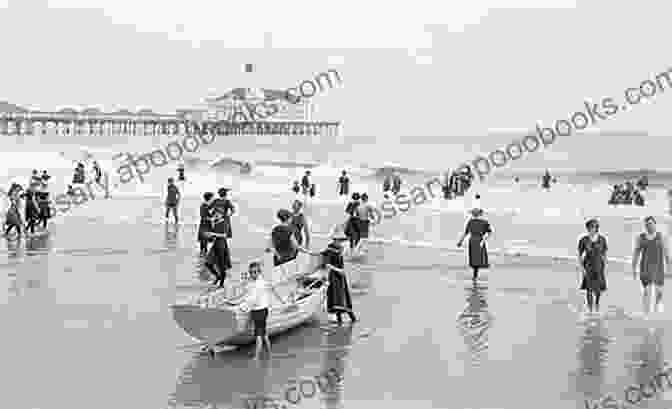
column 243, row 93
column 11, row 108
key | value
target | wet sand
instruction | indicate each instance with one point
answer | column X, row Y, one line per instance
column 87, row 324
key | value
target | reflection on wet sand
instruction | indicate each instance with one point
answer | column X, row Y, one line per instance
column 592, row 356
column 170, row 236
column 232, row 377
column 648, row 362
column 336, row 343
column 474, row 322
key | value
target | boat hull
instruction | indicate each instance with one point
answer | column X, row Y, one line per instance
column 232, row 326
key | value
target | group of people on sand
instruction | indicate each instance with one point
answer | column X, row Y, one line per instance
column 288, row 238
column 650, row 256
column 215, row 231
column 306, row 187
column 284, row 247
column 457, row 183
column 30, row 207
column 360, row 217
column 650, row 259
column 628, row 194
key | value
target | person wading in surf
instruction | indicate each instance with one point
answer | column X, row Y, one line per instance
column 478, row 230
column 300, row 225
column 172, row 200
column 653, row 248
column 258, row 301
column 219, row 256
column 343, row 184
column 592, row 261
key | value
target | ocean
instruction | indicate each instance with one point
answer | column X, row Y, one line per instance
column 86, row 311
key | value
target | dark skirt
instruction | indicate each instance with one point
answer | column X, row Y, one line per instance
column 478, row 255
column 259, row 318
column 352, row 228
column 283, row 258
column 219, row 256
column 203, row 228
column 594, row 280
column 227, row 227
column 12, row 218
column 338, row 294
column 364, row 228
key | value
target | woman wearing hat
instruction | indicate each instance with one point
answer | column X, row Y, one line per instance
column 219, row 257
column 227, row 207
column 592, row 262
column 478, row 230
column 338, row 292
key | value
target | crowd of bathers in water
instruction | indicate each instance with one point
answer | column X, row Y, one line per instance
column 629, row 193
column 28, row 207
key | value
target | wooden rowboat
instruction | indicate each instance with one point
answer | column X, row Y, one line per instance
column 228, row 324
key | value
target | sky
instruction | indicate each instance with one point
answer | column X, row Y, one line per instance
column 456, row 73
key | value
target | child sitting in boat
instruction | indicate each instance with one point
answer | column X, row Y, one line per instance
column 258, row 301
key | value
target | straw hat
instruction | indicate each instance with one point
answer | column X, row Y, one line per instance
column 338, row 233
column 476, row 212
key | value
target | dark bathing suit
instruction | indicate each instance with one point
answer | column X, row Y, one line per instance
column 652, row 260
column 593, row 263
column 282, row 242
column 219, row 253
column 204, row 226
column 298, row 223
column 478, row 255
column 344, row 185
column 227, row 206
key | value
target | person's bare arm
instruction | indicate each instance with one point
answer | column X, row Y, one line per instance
column 666, row 248
column 306, row 231
column 635, row 257
column 340, row 270
column 464, row 235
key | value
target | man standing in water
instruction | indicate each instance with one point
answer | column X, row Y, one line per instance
column 396, row 183
column 305, row 183
column 654, row 251
column 546, row 180
column 343, row 184
column 172, row 200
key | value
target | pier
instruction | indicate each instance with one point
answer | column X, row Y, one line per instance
column 292, row 119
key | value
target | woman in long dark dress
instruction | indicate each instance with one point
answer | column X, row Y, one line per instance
column 592, row 259
column 219, row 257
column 205, row 224
column 352, row 224
column 338, row 292
column 478, row 230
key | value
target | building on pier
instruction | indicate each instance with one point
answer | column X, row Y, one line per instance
column 230, row 111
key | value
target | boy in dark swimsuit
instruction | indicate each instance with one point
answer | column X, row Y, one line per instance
column 172, row 200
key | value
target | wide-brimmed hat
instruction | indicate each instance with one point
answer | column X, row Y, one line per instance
column 338, row 233
column 476, row 212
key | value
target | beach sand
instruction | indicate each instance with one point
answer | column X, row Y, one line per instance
column 87, row 320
